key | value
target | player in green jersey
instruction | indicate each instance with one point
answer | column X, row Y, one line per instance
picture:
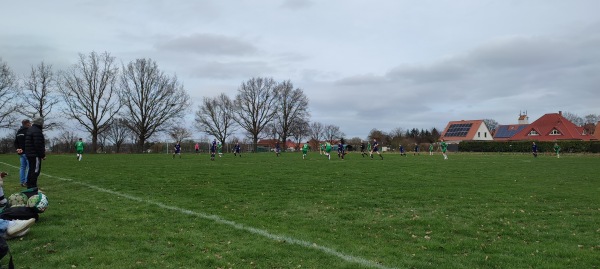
column 328, row 150
column 305, row 149
column 557, row 150
column 444, row 147
column 79, row 148
column 431, row 149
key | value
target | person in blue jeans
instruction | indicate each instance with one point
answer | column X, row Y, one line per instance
column 20, row 146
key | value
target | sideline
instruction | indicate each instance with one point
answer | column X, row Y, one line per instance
column 239, row 226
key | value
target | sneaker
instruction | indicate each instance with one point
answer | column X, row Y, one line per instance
column 16, row 227
column 24, row 185
column 21, row 234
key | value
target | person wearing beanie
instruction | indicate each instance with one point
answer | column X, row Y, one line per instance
column 35, row 149
column 20, row 146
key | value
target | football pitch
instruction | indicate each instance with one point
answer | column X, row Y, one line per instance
column 263, row 211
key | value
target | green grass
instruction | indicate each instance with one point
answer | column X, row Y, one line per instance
column 471, row 211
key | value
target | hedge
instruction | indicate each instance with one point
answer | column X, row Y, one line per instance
column 525, row 146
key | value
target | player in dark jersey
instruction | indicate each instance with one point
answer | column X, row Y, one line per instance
column 534, row 149
column 376, row 149
column 362, row 149
column 402, row 153
column 237, row 150
column 277, row 149
column 177, row 150
column 213, row 150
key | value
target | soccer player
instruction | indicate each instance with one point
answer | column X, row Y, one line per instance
column 431, row 149
column 220, row 149
column 197, row 148
column 376, row 149
column 557, row 150
column 35, row 149
column 321, row 148
column 20, row 146
column 534, row 149
column 444, row 147
column 177, row 150
column 237, row 150
column 79, row 148
column 416, row 149
column 213, row 150
column 328, row 150
column 277, row 149
column 340, row 150
column 402, row 153
column 305, row 150
column 369, row 148
column 362, row 149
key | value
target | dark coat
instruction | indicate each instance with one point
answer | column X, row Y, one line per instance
column 20, row 138
column 35, row 144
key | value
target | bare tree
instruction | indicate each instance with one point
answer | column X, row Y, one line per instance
column 65, row 142
column 117, row 133
column 292, row 105
column 396, row 136
column 491, row 124
column 215, row 117
column 271, row 131
column 299, row 130
column 8, row 92
column 381, row 136
column 574, row 118
column 255, row 106
column 316, row 133
column 151, row 99
column 590, row 123
column 90, row 93
column 592, row 118
column 179, row 133
column 40, row 94
column 331, row 132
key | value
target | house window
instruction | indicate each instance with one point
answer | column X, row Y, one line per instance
column 484, row 134
column 554, row 132
column 478, row 134
column 533, row 132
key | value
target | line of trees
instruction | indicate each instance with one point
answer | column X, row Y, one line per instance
column 114, row 103
column 262, row 107
column 110, row 102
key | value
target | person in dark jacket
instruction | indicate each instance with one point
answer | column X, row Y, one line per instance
column 20, row 146
column 35, row 149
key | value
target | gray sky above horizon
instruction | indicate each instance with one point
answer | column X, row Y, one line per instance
column 363, row 64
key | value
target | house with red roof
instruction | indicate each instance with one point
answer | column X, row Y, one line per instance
column 506, row 132
column 466, row 130
column 597, row 131
column 552, row 127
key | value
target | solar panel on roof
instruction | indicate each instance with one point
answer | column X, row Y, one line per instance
column 459, row 130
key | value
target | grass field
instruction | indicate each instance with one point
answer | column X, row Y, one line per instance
column 260, row 211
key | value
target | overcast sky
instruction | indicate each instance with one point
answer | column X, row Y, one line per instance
column 363, row 64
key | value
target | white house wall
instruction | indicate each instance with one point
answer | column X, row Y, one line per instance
column 483, row 134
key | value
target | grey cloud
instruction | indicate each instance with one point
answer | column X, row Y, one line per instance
column 231, row 70
column 368, row 79
column 297, row 4
column 209, row 44
column 447, row 70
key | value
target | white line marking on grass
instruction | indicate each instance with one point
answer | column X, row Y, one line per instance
column 239, row 226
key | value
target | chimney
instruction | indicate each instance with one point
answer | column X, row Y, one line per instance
column 560, row 112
